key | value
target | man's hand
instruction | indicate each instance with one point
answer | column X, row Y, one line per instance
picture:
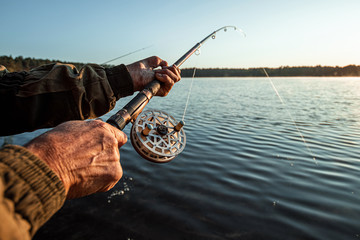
column 84, row 154
column 142, row 72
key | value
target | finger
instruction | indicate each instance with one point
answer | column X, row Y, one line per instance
column 176, row 71
column 118, row 134
column 155, row 62
column 163, row 64
column 116, row 174
column 166, row 79
column 121, row 137
column 168, row 84
column 171, row 72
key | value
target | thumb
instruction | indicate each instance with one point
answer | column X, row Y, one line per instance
column 155, row 61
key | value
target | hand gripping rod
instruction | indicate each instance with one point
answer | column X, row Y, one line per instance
column 131, row 110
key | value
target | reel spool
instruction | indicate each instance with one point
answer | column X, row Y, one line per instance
column 157, row 136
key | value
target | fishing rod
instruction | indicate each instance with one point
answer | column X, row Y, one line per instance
column 155, row 134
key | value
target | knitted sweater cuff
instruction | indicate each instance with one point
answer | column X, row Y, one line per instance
column 37, row 192
column 120, row 81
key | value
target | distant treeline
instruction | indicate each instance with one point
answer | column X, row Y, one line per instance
column 25, row 64
column 350, row 70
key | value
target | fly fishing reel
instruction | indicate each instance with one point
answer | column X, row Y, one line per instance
column 157, row 136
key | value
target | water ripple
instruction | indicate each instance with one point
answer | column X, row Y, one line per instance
column 245, row 172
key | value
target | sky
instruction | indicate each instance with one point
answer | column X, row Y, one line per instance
column 278, row 32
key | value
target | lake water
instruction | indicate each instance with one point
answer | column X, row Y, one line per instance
column 245, row 172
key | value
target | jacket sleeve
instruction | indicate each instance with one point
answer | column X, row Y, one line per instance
column 30, row 193
column 51, row 94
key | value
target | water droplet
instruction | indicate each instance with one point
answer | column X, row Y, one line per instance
column 213, row 36
column 225, row 29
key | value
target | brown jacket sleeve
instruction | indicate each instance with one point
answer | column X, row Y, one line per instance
column 51, row 94
column 30, row 193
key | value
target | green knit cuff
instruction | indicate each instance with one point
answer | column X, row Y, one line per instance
column 120, row 81
column 37, row 192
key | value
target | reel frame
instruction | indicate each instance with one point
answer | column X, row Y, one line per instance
column 155, row 135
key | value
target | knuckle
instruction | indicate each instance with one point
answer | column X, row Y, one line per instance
column 113, row 176
column 111, row 140
column 117, row 173
column 155, row 58
column 125, row 138
column 97, row 123
column 107, row 188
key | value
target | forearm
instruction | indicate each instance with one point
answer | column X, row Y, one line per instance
column 52, row 94
column 30, row 193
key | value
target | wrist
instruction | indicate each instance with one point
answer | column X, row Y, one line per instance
column 120, row 80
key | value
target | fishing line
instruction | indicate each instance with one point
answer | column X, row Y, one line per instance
column 188, row 97
column 197, row 52
column 291, row 117
column 127, row 54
